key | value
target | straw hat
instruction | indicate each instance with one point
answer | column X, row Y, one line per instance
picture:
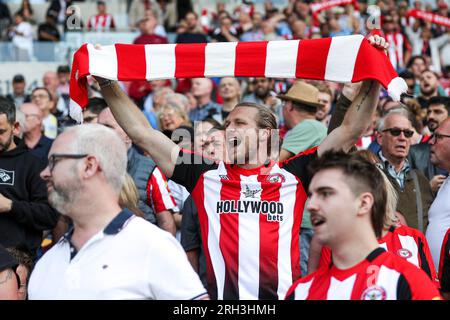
column 304, row 93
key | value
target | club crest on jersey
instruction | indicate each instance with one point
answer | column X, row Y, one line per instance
column 404, row 253
column 248, row 193
column 374, row 293
column 275, row 178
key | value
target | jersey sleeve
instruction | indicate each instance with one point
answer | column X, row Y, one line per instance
column 444, row 265
column 425, row 258
column 190, row 166
column 158, row 193
column 414, row 284
column 298, row 165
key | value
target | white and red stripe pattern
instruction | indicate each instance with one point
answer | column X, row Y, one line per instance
column 158, row 193
column 316, row 8
column 248, row 255
column 430, row 17
column 342, row 59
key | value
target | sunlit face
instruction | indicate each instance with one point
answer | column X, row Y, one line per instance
column 170, row 119
column 418, row 67
column 215, row 145
column 201, row 136
column 440, row 146
column 322, row 112
column 428, row 83
column 201, row 87
column 242, row 136
column 229, row 88
column 191, row 21
column 333, row 206
column 33, row 117
column 396, row 147
column 42, row 99
column 63, row 181
column 436, row 114
column 262, row 87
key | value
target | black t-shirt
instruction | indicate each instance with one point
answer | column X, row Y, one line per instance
column 48, row 28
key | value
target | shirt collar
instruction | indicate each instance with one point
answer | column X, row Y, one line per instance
column 114, row 227
column 386, row 163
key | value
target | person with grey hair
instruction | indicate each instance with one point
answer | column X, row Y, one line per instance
column 394, row 136
column 109, row 253
column 20, row 118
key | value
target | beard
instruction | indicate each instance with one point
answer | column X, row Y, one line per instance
column 5, row 146
column 63, row 196
column 262, row 93
column 432, row 125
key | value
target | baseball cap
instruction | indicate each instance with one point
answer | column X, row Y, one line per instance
column 18, row 78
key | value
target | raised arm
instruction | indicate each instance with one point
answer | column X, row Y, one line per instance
column 356, row 120
column 359, row 115
column 163, row 150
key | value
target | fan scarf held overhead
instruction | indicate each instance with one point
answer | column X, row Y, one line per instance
column 340, row 59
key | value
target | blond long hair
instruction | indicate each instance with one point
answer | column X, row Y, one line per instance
column 129, row 196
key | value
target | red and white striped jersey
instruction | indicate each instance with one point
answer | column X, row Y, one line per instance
column 250, row 222
column 398, row 44
column 101, row 22
column 158, row 193
column 444, row 264
column 405, row 242
column 381, row 276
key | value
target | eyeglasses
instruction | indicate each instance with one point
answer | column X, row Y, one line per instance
column 31, row 115
column 437, row 136
column 40, row 96
column 396, row 132
column 54, row 158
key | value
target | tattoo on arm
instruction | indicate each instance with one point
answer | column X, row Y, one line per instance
column 9, row 275
column 366, row 94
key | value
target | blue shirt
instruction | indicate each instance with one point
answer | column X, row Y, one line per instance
column 399, row 176
column 42, row 148
column 206, row 111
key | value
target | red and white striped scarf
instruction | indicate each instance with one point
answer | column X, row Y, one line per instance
column 340, row 59
column 430, row 17
column 316, row 8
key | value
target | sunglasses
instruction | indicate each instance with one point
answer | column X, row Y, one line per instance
column 439, row 136
column 396, row 132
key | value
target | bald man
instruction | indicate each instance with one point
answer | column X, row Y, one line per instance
column 230, row 91
column 201, row 90
column 38, row 143
column 155, row 199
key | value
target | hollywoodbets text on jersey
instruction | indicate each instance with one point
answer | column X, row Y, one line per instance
column 272, row 209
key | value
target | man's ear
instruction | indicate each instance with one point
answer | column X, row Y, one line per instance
column 16, row 129
column 92, row 166
column 379, row 135
column 366, row 203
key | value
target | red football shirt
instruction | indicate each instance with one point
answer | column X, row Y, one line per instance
column 381, row 276
column 250, row 223
column 406, row 242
